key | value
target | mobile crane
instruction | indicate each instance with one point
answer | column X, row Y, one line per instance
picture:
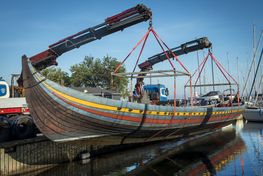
column 158, row 93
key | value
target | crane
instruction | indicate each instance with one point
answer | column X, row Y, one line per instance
column 185, row 48
column 191, row 46
column 158, row 92
column 111, row 24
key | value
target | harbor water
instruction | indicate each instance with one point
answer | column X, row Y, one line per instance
column 235, row 150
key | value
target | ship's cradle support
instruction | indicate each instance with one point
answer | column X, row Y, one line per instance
column 38, row 154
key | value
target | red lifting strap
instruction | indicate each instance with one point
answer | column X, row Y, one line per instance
column 160, row 42
column 142, row 39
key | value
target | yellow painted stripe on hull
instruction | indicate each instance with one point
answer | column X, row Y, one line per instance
column 135, row 111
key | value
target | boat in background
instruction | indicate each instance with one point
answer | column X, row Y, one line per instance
column 254, row 115
column 254, row 110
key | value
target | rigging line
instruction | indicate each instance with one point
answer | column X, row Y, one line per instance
column 260, row 58
column 253, row 61
column 261, row 81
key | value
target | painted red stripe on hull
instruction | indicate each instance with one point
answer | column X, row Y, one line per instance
column 147, row 120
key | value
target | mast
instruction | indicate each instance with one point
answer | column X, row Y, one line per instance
column 213, row 77
column 255, row 76
column 252, row 63
column 204, row 73
column 238, row 70
column 198, row 62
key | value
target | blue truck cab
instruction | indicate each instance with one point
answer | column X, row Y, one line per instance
column 157, row 92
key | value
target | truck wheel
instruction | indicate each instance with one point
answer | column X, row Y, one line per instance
column 22, row 127
column 4, row 129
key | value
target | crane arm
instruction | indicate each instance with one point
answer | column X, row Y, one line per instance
column 185, row 48
column 111, row 24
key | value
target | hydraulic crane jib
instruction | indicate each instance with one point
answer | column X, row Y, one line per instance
column 191, row 46
column 112, row 24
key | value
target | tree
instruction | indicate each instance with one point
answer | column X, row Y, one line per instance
column 57, row 75
column 97, row 73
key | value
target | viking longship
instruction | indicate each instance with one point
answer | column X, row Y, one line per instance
column 63, row 114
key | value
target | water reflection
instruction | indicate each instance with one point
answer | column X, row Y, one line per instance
column 232, row 151
column 252, row 133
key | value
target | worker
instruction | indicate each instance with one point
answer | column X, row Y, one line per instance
column 138, row 92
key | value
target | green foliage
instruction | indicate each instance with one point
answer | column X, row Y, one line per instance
column 97, row 73
column 57, row 75
column 91, row 73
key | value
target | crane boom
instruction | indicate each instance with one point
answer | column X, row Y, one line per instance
column 111, row 24
column 185, row 48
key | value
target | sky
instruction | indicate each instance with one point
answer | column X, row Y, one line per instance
column 29, row 27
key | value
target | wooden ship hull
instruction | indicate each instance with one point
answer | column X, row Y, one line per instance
column 64, row 115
